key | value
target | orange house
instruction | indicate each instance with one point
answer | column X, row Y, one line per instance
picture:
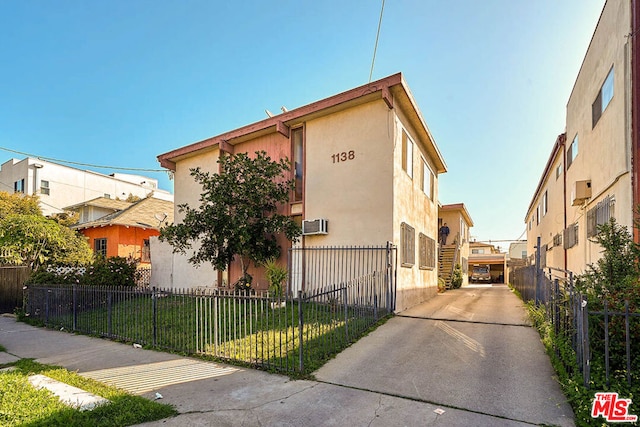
column 126, row 231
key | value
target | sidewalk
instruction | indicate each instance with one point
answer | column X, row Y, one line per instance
column 207, row 393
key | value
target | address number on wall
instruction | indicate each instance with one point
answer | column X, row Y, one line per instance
column 343, row 156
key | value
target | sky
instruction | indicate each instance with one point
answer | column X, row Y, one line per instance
column 116, row 83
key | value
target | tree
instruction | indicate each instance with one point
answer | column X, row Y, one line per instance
column 617, row 272
column 34, row 240
column 18, row 203
column 238, row 213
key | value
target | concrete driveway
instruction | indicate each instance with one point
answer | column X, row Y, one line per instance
column 466, row 358
column 471, row 349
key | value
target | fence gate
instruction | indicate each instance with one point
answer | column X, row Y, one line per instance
column 313, row 268
column 12, row 279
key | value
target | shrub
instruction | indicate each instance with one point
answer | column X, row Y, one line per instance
column 276, row 275
column 113, row 271
column 456, row 278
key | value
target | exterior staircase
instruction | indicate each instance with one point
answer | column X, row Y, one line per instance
column 446, row 262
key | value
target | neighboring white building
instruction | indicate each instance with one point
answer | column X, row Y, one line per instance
column 59, row 186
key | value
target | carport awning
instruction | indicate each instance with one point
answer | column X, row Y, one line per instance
column 486, row 259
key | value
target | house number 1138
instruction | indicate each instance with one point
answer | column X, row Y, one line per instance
column 344, row 156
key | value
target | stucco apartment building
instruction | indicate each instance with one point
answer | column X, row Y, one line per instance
column 364, row 161
column 59, row 186
column 592, row 172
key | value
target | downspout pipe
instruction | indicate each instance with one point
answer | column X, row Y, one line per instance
column 635, row 113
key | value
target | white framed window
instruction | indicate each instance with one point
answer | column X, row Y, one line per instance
column 407, row 154
column 544, row 204
column 44, row 187
column 572, row 153
column 602, row 100
column 559, row 171
column 427, row 181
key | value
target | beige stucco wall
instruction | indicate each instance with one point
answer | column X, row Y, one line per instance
column 355, row 195
column 413, row 207
column 365, row 195
column 604, row 150
column 551, row 222
column 183, row 274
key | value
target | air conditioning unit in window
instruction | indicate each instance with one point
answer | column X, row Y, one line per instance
column 580, row 192
column 315, row 226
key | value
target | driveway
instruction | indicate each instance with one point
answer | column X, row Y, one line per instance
column 471, row 349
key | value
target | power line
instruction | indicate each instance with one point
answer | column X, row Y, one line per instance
column 81, row 164
column 375, row 48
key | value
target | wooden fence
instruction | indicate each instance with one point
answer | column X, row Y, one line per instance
column 12, row 280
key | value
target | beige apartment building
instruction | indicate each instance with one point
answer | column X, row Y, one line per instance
column 366, row 169
column 592, row 172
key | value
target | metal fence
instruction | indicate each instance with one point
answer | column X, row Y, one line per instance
column 595, row 334
column 293, row 333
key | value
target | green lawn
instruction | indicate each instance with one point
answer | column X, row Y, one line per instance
column 23, row 405
column 246, row 330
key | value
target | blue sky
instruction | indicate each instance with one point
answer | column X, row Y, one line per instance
column 115, row 83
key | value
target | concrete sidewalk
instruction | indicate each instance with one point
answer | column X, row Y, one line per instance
column 347, row 393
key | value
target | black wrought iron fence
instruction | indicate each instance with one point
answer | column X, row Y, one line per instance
column 290, row 333
column 596, row 335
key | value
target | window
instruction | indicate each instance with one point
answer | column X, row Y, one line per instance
column 538, row 215
column 572, row 152
column 407, row 245
column 100, row 246
column 559, row 171
column 145, row 256
column 544, row 204
column 107, row 196
column 602, row 100
column 427, row 249
column 477, row 251
column 297, row 139
column 570, row 236
column 599, row 215
column 557, row 240
column 426, row 184
column 18, row 186
column 44, row 187
column 407, row 154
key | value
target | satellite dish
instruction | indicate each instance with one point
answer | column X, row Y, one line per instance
column 161, row 218
column 269, row 113
column 284, row 109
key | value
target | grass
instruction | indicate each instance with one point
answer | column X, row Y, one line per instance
column 244, row 330
column 21, row 404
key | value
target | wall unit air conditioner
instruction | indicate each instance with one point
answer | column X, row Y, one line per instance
column 580, row 192
column 315, row 226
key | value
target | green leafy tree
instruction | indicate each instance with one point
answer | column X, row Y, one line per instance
column 18, row 203
column 617, row 272
column 238, row 213
column 34, row 240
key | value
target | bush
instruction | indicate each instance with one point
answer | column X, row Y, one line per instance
column 276, row 275
column 114, row 271
column 456, row 278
